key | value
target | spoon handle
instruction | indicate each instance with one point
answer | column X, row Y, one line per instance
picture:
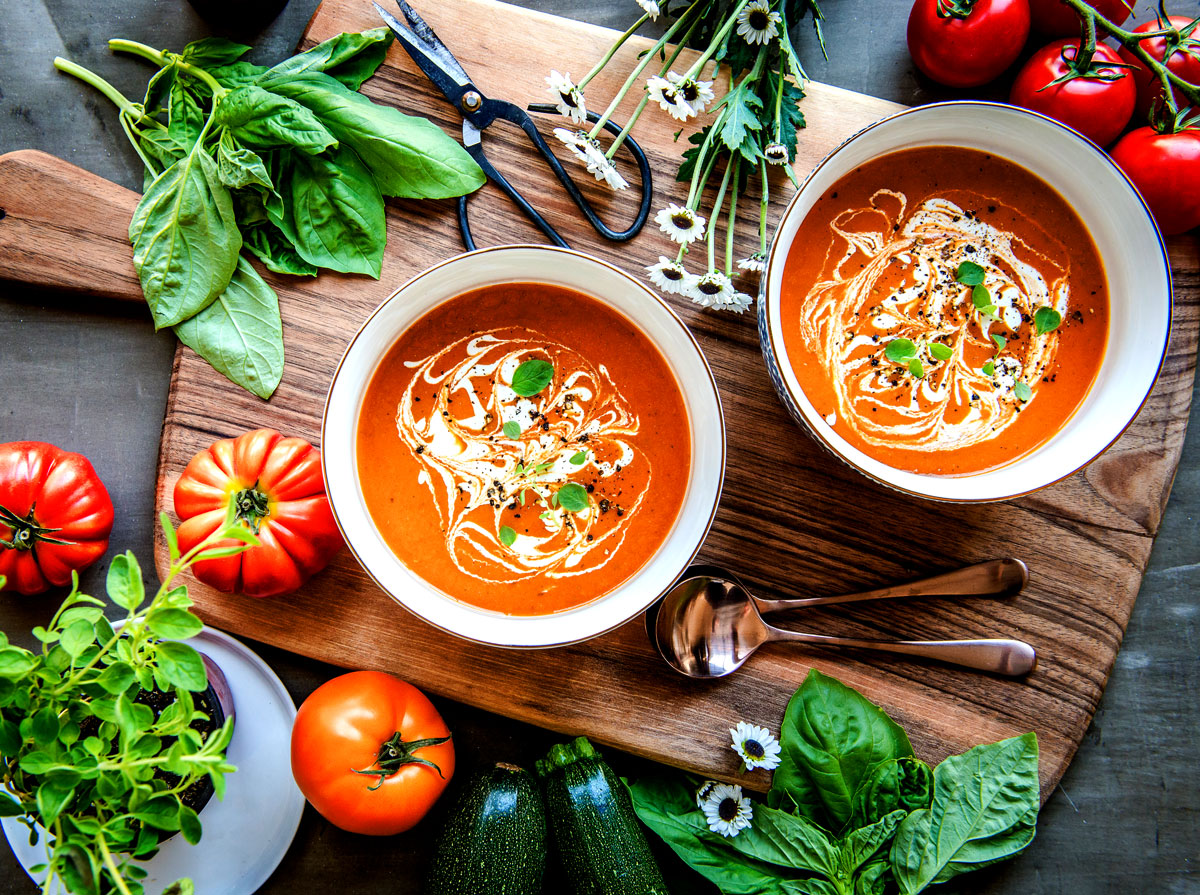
column 994, row 578
column 1009, row 657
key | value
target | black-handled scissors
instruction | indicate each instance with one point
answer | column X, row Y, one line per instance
column 479, row 112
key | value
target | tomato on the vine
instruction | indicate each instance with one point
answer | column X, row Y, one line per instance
column 1184, row 60
column 1165, row 168
column 1054, row 18
column 55, row 515
column 371, row 753
column 965, row 43
column 1098, row 103
column 273, row 485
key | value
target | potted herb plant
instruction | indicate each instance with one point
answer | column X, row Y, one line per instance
column 111, row 736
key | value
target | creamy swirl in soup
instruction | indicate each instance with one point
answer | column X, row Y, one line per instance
column 945, row 310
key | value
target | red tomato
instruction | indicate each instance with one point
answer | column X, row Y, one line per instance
column 967, row 52
column 371, row 753
column 55, row 515
column 275, row 483
column 1096, row 108
column 1184, row 61
column 1166, row 170
column 1055, row 19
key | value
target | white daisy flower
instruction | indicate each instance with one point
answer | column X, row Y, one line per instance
column 664, row 93
column 713, row 290
column 755, row 745
column 650, row 8
column 680, row 223
column 738, row 302
column 727, row 811
column 605, row 170
column 576, row 141
column 703, row 791
column 755, row 262
column 567, row 97
column 757, row 24
column 697, row 94
column 776, row 153
column 587, row 150
column 669, row 276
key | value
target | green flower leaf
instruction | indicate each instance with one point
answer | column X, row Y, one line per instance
column 573, row 497
column 44, row 726
column 77, row 637
column 124, row 583
column 116, row 678
column 174, row 624
column 189, row 825
column 531, row 377
column 15, row 662
column 969, row 274
column 52, row 798
column 1046, row 320
column 161, row 812
column 182, row 665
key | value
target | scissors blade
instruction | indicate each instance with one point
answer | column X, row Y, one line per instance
column 427, row 51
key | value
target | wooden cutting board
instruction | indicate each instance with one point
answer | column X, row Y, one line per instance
column 791, row 521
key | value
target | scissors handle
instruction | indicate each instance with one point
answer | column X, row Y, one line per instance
column 516, row 115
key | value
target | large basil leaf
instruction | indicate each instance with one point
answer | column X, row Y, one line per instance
column 984, row 804
column 185, row 115
column 240, row 333
column 409, row 157
column 271, row 247
column 874, row 877
column 211, row 51
column 787, row 840
column 861, row 845
column 262, row 120
column 904, row 783
column 351, row 57
column 237, row 74
column 238, row 167
column 668, row 807
column 832, row 738
column 185, row 239
column 331, row 211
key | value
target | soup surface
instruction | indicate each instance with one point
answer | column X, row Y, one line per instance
column 524, row 448
column 945, row 310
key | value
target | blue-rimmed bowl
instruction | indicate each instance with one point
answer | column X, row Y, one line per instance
column 1135, row 263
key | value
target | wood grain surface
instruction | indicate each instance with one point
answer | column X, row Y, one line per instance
column 790, row 520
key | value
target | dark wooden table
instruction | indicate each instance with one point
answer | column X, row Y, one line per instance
column 93, row 378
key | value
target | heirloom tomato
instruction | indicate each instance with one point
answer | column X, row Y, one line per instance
column 965, row 43
column 1098, row 104
column 1166, row 169
column 1183, row 59
column 55, row 515
column 273, row 486
column 371, row 753
column 1055, row 19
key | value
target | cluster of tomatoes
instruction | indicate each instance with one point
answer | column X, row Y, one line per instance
column 967, row 43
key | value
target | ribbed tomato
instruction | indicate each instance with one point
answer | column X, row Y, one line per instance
column 371, row 753
column 55, row 515
column 1098, row 107
column 275, row 488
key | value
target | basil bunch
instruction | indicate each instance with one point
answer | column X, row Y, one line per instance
column 288, row 163
column 852, row 811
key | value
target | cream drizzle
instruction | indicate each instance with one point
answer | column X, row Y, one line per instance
column 849, row 318
column 470, row 455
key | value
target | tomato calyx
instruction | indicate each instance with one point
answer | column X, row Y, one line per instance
column 395, row 753
column 1166, row 120
column 957, row 9
column 251, row 506
column 26, row 532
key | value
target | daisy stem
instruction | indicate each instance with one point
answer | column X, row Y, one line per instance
column 620, row 138
column 702, row 159
column 718, row 204
column 633, row 75
column 763, row 208
column 612, row 51
column 718, row 39
column 729, row 230
column 779, row 109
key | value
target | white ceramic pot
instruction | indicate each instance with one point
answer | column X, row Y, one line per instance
column 1135, row 261
column 517, row 264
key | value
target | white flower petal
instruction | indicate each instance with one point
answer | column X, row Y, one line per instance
column 755, row 745
column 726, row 810
column 757, row 24
column 650, row 7
column 669, row 276
column 680, row 223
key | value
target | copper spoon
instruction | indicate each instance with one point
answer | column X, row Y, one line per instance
column 708, row 624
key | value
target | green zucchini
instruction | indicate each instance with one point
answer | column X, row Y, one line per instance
column 591, row 819
column 495, row 842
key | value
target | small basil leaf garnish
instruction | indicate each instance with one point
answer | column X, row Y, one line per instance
column 969, row 274
column 512, row 430
column 531, row 377
column 573, row 497
column 507, row 536
column 1046, row 320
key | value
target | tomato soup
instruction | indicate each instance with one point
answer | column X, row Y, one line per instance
column 524, row 448
column 945, row 310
